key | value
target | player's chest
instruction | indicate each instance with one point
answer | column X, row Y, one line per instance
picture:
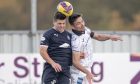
column 57, row 38
column 84, row 39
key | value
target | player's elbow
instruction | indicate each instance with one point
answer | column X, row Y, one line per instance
column 42, row 51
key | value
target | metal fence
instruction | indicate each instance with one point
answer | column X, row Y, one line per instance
column 25, row 42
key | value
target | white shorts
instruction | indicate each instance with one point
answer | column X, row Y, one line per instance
column 78, row 77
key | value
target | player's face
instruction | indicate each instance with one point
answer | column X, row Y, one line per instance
column 79, row 24
column 60, row 24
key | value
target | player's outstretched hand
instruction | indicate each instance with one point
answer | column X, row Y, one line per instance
column 115, row 38
column 57, row 67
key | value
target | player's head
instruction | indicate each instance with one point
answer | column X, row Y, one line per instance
column 77, row 22
column 59, row 20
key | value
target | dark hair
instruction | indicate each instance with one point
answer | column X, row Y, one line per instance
column 59, row 16
column 73, row 17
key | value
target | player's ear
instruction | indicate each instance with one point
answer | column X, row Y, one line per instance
column 54, row 22
column 73, row 25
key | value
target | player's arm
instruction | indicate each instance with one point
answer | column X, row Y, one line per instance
column 44, row 54
column 76, row 62
column 46, row 57
column 104, row 37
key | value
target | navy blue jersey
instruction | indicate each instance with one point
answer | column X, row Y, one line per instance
column 59, row 46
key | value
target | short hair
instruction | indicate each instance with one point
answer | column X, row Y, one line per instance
column 59, row 16
column 73, row 18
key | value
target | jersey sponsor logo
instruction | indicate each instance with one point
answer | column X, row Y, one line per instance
column 65, row 45
column 68, row 37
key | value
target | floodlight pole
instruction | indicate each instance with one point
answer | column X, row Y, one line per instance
column 33, row 16
column 33, row 29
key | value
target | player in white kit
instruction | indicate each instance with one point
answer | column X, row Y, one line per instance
column 82, row 49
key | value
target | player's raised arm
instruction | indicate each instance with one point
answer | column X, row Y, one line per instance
column 104, row 37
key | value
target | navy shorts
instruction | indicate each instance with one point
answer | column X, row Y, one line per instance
column 49, row 75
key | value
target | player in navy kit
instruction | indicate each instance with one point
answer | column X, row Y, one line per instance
column 55, row 48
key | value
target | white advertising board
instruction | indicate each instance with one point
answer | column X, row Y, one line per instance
column 108, row 68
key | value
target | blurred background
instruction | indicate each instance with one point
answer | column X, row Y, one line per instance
column 120, row 17
column 22, row 23
column 99, row 14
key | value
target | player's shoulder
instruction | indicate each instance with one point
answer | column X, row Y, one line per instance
column 49, row 31
column 88, row 30
column 74, row 37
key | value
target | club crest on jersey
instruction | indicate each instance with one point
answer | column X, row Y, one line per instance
column 73, row 38
column 68, row 37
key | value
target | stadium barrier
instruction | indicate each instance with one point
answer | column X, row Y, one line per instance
column 25, row 42
column 108, row 68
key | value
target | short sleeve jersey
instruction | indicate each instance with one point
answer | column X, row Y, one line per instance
column 59, row 46
column 83, row 43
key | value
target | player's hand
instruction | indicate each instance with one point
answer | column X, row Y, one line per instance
column 89, row 77
column 57, row 67
column 115, row 38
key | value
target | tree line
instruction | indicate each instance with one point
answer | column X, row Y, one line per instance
column 98, row 14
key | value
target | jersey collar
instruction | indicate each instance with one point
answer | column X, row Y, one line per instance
column 78, row 32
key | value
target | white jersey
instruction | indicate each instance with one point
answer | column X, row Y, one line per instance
column 83, row 43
